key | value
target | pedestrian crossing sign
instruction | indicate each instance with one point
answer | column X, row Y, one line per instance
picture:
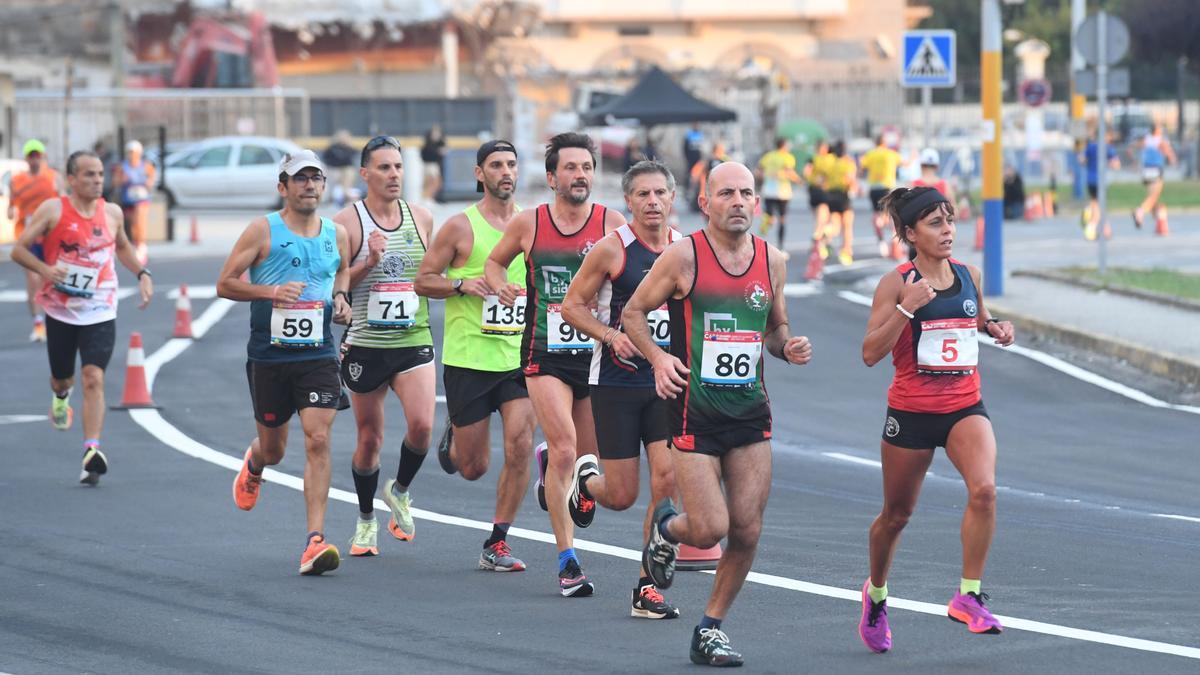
column 928, row 59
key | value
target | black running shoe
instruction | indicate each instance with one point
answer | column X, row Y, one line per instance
column 541, row 456
column 658, row 557
column 648, row 603
column 573, row 583
column 95, row 464
column 583, row 510
column 710, row 647
column 443, row 452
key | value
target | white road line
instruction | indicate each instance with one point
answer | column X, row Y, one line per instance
column 153, row 422
column 21, row 419
column 800, row 290
column 19, row 296
column 1063, row 367
column 1172, row 516
column 197, row 292
column 854, row 460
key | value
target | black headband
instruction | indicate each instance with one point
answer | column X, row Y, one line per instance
column 912, row 208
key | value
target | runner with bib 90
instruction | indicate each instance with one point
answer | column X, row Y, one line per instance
column 927, row 315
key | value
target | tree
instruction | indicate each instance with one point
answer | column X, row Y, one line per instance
column 1162, row 30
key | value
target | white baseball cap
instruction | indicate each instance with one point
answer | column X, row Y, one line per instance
column 930, row 157
column 292, row 163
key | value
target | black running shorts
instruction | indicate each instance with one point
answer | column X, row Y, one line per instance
column 574, row 370
column 877, row 194
column 719, row 443
column 775, row 207
column 93, row 342
column 924, row 431
column 816, row 197
column 838, row 201
column 365, row 369
column 626, row 418
column 280, row 388
column 473, row 395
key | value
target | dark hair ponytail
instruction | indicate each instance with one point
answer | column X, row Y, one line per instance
column 914, row 203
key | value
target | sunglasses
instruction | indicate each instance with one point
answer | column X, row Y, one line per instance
column 375, row 144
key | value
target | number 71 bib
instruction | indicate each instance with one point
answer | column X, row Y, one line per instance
column 948, row 347
column 392, row 305
column 730, row 359
column 298, row 324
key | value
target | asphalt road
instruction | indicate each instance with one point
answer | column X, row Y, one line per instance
column 156, row 570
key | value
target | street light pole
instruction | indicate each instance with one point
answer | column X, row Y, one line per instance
column 993, row 158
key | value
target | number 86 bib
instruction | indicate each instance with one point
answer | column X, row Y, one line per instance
column 730, row 359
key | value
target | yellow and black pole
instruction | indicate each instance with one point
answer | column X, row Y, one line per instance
column 1078, row 101
column 993, row 157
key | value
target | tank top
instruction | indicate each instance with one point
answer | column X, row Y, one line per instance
column 939, row 185
column 553, row 260
column 137, row 186
column 86, row 248
column 608, row 369
column 386, row 311
column 937, row 355
column 297, row 331
column 29, row 191
column 1152, row 154
column 717, row 332
column 479, row 334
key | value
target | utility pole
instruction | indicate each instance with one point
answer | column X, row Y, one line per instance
column 116, row 59
column 1078, row 101
column 993, row 157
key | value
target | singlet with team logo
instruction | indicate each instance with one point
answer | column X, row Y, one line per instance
column 611, row 370
column 483, row 334
column 937, row 354
column 553, row 260
column 717, row 331
column 387, row 312
column 86, row 249
column 296, row 331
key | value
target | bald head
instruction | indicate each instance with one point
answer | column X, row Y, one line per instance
column 729, row 199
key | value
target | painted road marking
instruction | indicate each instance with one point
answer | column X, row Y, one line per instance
column 21, row 419
column 153, row 422
column 1062, row 367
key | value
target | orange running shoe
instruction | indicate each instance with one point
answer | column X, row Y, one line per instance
column 246, row 486
column 319, row 557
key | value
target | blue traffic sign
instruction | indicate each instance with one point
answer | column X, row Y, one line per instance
column 928, row 59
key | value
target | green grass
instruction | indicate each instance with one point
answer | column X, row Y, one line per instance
column 1158, row 280
column 1124, row 197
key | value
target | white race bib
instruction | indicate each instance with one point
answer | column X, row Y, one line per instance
column 659, row 321
column 730, row 359
column 1152, row 173
column 392, row 305
column 948, row 347
column 500, row 320
column 298, row 324
column 81, row 279
column 562, row 336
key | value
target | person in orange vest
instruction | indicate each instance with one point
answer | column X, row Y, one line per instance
column 27, row 190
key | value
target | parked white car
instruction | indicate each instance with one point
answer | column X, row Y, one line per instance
column 228, row 171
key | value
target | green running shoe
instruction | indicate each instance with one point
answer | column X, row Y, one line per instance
column 401, row 524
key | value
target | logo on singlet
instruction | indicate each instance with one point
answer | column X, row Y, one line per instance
column 587, row 246
column 295, row 262
column 328, row 246
column 891, row 428
column 394, row 264
column 969, row 307
column 757, row 296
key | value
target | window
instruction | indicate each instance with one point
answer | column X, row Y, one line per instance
column 255, row 155
column 214, row 157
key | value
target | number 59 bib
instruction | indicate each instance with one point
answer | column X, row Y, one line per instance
column 948, row 347
column 298, row 324
column 392, row 305
column 730, row 359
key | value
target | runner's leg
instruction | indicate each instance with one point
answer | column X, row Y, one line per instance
column 316, row 423
column 93, row 401
column 747, row 484
column 903, row 474
column 971, row 447
column 553, row 404
column 470, row 448
column 518, row 419
column 417, row 390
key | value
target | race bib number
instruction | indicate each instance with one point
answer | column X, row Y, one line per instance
column 948, row 347
column 500, row 320
column 81, row 279
column 298, row 324
column 139, row 193
column 392, row 305
column 730, row 359
column 562, row 336
column 1151, row 174
column 659, row 321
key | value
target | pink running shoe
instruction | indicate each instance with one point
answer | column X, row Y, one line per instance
column 969, row 609
column 873, row 628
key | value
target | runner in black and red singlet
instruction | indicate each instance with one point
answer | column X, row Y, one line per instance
column 927, row 315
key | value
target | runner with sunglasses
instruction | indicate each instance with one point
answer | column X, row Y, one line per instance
column 388, row 345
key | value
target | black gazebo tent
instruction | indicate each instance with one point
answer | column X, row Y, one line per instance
column 658, row 99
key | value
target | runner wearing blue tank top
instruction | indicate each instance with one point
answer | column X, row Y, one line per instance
column 625, row 406
column 298, row 283
column 1156, row 154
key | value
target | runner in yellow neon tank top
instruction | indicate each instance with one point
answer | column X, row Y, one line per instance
column 557, row 359
column 388, row 344
column 481, row 347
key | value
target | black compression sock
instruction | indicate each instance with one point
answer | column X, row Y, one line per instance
column 410, row 463
column 499, row 533
column 365, row 485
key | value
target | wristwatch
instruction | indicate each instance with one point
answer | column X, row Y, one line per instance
column 146, row 271
column 458, row 286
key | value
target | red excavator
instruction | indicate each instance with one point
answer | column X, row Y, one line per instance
column 229, row 51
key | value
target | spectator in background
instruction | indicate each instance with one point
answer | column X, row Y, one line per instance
column 701, row 169
column 433, row 150
column 109, row 160
column 340, row 159
column 633, row 153
column 134, row 180
column 1014, row 194
column 693, row 150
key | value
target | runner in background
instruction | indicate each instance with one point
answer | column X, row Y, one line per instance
column 27, row 190
column 134, row 181
column 777, row 171
column 1156, row 154
column 879, row 167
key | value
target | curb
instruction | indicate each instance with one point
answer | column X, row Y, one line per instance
column 1170, row 366
column 1152, row 296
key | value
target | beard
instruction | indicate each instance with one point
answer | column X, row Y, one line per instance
column 577, row 199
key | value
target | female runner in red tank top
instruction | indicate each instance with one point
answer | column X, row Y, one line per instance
column 927, row 315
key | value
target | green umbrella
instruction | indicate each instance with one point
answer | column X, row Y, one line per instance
column 804, row 133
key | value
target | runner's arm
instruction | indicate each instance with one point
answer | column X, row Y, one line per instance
column 599, row 264
column 341, row 280
column 517, row 239
column 613, row 220
column 778, row 338
column 451, row 241
column 671, row 276
column 1001, row 331
column 249, row 249
column 42, row 221
column 887, row 322
column 348, row 219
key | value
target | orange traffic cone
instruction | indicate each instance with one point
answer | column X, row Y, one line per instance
column 183, row 314
column 1033, row 207
column 1048, row 203
column 195, row 235
column 1160, row 223
column 692, row 559
column 816, row 267
column 979, row 233
column 137, row 394
column 898, row 250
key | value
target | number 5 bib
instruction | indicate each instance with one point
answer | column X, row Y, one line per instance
column 298, row 324
column 392, row 305
column 948, row 347
column 730, row 359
